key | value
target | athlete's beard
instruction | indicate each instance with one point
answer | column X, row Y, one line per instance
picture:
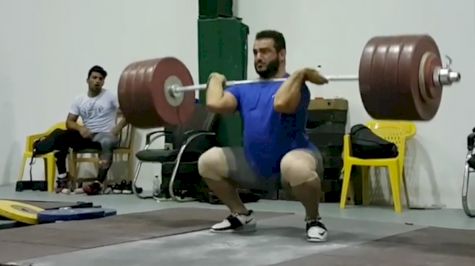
column 270, row 71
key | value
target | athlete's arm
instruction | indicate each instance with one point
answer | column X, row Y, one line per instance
column 218, row 100
column 288, row 96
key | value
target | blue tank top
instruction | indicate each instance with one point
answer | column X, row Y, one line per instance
column 269, row 135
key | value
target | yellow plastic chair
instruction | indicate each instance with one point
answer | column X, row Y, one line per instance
column 397, row 132
column 49, row 159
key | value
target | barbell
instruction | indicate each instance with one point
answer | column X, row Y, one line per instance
column 400, row 78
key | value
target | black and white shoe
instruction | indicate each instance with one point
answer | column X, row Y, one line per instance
column 316, row 231
column 236, row 223
column 62, row 185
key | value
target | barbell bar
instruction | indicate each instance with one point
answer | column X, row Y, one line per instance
column 177, row 89
column 400, row 78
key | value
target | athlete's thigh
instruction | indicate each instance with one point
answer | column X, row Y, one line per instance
column 299, row 160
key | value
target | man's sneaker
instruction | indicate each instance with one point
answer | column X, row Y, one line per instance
column 62, row 185
column 316, row 231
column 236, row 223
column 127, row 188
column 117, row 189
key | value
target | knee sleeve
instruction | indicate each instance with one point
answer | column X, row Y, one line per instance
column 298, row 168
column 212, row 164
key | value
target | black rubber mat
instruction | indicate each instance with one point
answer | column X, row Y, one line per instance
column 57, row 238
column 427, row 246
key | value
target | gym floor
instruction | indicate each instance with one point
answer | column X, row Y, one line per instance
column 280, row 238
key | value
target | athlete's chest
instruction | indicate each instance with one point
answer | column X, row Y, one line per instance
column 259, row 98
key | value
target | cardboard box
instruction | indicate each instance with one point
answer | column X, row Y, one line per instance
column 328, row 104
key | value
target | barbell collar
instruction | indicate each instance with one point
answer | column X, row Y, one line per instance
column 445, row 76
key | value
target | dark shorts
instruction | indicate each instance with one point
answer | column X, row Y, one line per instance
column 241, row 172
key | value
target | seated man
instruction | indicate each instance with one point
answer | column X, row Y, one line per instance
column 98, row 110
column 276, row 147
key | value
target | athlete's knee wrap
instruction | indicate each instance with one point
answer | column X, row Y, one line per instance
column 298, row 168
column 212, row 164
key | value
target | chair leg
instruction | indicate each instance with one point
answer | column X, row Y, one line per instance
column 72, row 164
column 346, row 185
column 135, row 189
column 174, row 174
column 406, row 192
column 465, row 186
column 395, row 186
column 45, row 165
column 366, row 184
column 22, row 168
column 50, row 172
column 130, row 166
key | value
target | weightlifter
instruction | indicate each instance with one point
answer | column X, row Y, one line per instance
column 276, row 147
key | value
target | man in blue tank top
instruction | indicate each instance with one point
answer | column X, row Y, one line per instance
column 276, row 148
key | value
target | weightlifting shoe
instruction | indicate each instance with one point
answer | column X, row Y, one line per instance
column 316, row 231
column 236, row 222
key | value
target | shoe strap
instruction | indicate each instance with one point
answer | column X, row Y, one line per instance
column 315, row 223
column 249, row 212
column 234, row 221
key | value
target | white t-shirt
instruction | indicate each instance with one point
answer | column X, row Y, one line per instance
column 97, row 113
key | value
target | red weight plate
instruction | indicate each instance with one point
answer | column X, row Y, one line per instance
column 142, row 94
column 391, row 74
column 135, row 99
column 364, row 72
column 389, row 77
column 431, row 64
column 372, row 95
column 369, row 78
column 167, row 71
column 383, row 77
column 417, row 108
